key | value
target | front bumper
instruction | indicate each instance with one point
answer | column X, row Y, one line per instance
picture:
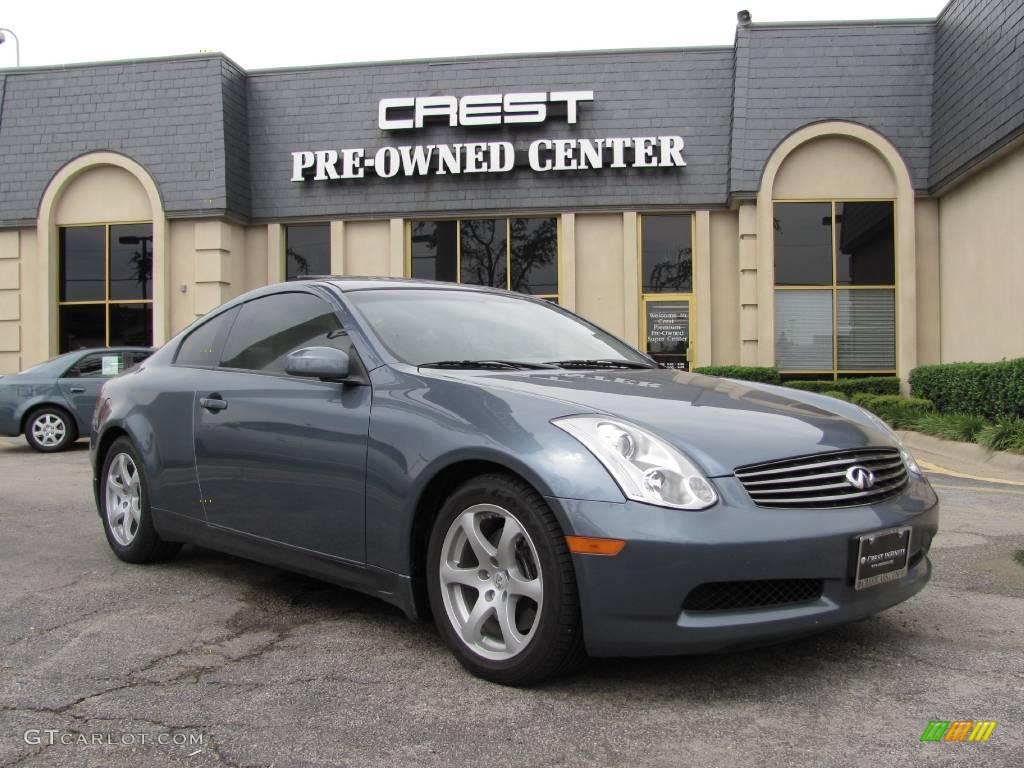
column 632, row 602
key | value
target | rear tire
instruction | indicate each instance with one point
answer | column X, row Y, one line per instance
column 502, row 585
column 125, row 511
column 50, row 429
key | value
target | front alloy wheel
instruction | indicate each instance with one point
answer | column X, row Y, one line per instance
column 491, row 581
column 124, row 499
column 501, row 583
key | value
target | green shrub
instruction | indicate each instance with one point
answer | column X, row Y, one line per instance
column 991, row 390
column 901, row 412
column 862, row 399
column 744, row 372
column 1004, row 435
column 874, row 385
column 951, row 426
column 837, row 395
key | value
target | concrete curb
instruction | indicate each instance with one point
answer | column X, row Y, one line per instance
column 965, row 457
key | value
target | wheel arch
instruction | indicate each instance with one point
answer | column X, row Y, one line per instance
column 440, row 485
column 32, row 407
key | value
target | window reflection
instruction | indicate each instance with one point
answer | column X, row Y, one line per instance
column 131, row 261
column 484, row 252
column 534, row 252
column 865, row 241
column 803, row 243
column 667, row 254
column 307, row 250
column 434, row 250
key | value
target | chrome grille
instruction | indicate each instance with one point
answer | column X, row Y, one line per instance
column 820, row 480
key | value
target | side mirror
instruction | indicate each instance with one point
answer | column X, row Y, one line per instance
column 326, row 363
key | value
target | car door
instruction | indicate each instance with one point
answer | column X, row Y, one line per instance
column 80, row 385
column 282, row 457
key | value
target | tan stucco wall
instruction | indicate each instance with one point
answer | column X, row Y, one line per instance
column 928, row 288
column 834, row 166
column 102, row 195
column 981, row 264
column 599, row 270
column 725, row 288
column 367, row 248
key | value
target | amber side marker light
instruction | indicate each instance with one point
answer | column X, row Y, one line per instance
column 589, row 545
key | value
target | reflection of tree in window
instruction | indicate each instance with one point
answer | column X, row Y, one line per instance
column 534, row 256
column 667, row 254
column 484, row 252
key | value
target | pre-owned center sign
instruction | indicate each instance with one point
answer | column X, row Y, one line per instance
column 542, row 155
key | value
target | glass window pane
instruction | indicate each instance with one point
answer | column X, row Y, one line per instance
column 434, row 253
column 803, row 330
column 82, row 326
column 865, row 244
column 667, row 254
column 484, row 252
column 96, row 366
column 866, row 328
column 534, row 256
column 131, row 261
column 803, row 244
column 308, row 250
column 269, row 328
column 83, row 254
column 200, row 346
column 668, row 332
column 131, row 325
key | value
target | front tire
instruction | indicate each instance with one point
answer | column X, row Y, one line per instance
column 501, row 583
column 125, row 510
column 50, row 429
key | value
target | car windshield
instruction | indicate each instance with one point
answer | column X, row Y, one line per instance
column 425, row 326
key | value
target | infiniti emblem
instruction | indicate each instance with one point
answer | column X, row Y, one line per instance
column 860, row 478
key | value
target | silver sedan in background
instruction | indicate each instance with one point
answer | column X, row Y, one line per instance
column 52, row 403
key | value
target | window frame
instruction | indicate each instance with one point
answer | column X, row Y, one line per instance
column 284, row 249
column 106, row 301
column 692, row 353
column 836, row 372
column 354, row 361
column 557, row 296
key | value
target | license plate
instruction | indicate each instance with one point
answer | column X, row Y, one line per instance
column 881, row 557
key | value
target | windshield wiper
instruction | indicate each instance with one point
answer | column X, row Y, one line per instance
column 496, row 364
column 602, row 364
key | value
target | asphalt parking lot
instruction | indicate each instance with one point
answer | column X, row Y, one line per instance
column 258, row 667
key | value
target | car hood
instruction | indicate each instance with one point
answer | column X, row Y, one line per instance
column 720, row 423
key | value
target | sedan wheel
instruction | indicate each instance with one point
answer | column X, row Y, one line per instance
column 493, row 588
column 50, row 430
column 501, row 583
column 124, row 499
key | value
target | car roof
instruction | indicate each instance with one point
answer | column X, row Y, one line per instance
column 347, row 283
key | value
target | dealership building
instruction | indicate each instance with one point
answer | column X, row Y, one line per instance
column 834, row 199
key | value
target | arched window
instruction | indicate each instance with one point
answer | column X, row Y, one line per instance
column 105, row 286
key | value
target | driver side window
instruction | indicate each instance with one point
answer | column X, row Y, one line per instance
column 268, row 329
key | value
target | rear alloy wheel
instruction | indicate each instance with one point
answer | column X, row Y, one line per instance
column 502, row 586
column 50, row 430
column 127, row 520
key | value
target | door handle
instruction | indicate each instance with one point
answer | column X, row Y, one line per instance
column 77, row 390
column 213, row 403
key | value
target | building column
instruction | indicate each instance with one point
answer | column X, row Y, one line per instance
column 396, row 248
column 749, row 324
column 275, row 254
column 567, row 261
column 10, row 301
column 337, row 247
column 215, row 266
column 630, row 279
column 702, row 288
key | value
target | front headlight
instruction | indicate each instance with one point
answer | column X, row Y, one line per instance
column 908, row 460
column 646, row 467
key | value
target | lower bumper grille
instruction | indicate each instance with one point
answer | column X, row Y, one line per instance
column 826, row 480
column 736, row 595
